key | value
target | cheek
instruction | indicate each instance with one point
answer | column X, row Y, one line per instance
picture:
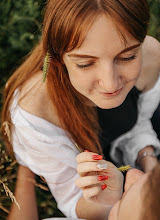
column 83, row 81
column 75, row 78
column 131, row 72
column 80, row 80
column 137, row 68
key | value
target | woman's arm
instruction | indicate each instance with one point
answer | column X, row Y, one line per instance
column 25, row 196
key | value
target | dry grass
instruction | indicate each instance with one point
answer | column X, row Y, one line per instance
column 10, row 194
column 8, row 168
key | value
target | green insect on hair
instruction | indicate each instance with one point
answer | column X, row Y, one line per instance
column 45, row 66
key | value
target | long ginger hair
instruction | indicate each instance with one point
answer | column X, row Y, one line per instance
column 65, row 26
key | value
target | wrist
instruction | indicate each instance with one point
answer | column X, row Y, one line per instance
column 148, row 163
column 145, row 153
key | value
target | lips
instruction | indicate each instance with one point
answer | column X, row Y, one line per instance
column 111, row 94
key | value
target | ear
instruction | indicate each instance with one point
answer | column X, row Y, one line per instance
column 132, row 176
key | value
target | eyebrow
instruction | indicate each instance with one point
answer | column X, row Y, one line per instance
column 81, row 56
column 85, row 56
column 130, row 48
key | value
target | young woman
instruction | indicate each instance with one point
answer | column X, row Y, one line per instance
column 140, row 200
column 98, row 90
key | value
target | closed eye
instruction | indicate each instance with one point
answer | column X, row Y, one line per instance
column 126, row 58
column 85, row 65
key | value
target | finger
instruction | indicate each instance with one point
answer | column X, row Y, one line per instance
column 89, row 193
column 88, row 157
column 92, row 157
column 89, row 181
column 92, row 167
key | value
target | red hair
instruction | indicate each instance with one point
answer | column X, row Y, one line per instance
column 66, row 24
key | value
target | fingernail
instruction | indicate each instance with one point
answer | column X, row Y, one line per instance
column 86, row 151
column 97, row 157
column 101, row 178
column 102, row 166
column 104, row 186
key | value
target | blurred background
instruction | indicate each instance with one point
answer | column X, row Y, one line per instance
column 20, row 30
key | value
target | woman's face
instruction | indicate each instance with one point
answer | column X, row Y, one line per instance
column 131, row 205
column 104, row 69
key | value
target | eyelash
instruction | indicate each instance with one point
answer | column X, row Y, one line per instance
column 118, row 59
column 127, row 59
column 85, row 65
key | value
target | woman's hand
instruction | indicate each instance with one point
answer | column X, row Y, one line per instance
column 99, row 180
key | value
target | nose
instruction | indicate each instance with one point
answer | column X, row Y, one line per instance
column 131, row 177
column 109, row 79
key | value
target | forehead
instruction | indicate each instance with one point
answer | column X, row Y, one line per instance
column 105, row 37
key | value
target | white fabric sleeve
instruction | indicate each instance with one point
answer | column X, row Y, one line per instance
column 125, row 149
column 54, row 158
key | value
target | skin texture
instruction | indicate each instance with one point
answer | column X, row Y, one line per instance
column 100, row 77
column 132, row 203
column 25, row 196
column 91, row 186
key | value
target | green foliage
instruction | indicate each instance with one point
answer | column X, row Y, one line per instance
column 7, row 176
column 47, row 206
column 20, row 29
column 154, row 28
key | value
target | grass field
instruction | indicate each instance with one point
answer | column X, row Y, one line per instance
column 20, row 29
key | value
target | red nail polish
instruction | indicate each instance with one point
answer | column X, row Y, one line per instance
column 104, row 186
column 101, row 178
column 86, row 151
column 97, row 157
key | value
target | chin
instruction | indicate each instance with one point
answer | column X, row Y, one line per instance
column 109, row 104
column 113, row 102
column 103, row 106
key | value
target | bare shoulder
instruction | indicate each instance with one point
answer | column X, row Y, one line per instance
column 151, row 63
column 34, row 99
column 151, row 51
